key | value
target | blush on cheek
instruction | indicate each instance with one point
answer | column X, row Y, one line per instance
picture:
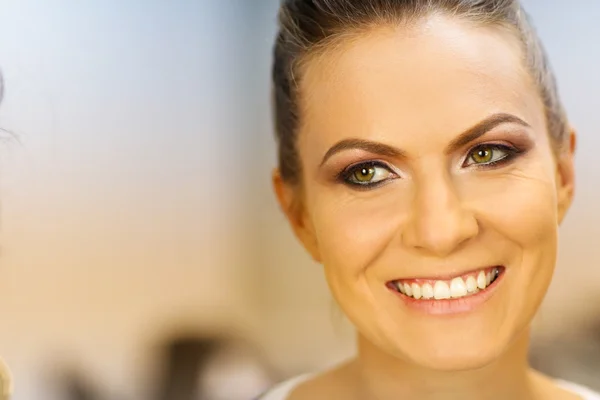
column 523, row 211
column 352, row 236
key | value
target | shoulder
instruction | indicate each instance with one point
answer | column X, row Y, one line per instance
column 283, row 390
column 584, row 392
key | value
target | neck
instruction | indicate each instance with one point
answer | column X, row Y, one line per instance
column 383, row 377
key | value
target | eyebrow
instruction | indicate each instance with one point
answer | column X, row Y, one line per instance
column 474, row 132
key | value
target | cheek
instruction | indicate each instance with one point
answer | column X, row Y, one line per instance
column 353, row 233
column 353, row 230
column 521, row 213
column 521, row 207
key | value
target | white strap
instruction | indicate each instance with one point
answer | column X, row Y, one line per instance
column 283, row 390
column 583, row 391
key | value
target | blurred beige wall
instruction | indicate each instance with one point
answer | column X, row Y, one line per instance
column 121, row 215
column 139, row 200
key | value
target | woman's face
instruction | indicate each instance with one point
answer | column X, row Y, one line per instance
column 427, row 163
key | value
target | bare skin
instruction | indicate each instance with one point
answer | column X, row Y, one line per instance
column 340, row 383
column 409, row 194
column 351, row 381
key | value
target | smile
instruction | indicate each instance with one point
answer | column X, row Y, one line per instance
column 466, row 285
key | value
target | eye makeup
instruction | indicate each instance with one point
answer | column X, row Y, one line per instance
column 363, row 170
column 373, row 173
column 367, row 174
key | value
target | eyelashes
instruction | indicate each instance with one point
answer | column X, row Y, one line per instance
column 367, row 174
column 371, row 174
column 490, row 155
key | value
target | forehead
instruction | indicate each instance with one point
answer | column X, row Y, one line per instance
column 429, row 81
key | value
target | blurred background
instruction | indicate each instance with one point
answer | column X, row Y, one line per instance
column 143, row 255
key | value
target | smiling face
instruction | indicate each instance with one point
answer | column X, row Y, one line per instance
column 425, row 158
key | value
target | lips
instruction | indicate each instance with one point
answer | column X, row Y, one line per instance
column 465, row 285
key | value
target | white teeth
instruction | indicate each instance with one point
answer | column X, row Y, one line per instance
column 458, row 288
column 400, row 287
column 471, row 284
column 441, row 290
column 416, row 290
column 427, row 291
column 481, row 280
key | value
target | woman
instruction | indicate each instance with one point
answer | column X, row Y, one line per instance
column 426, row 162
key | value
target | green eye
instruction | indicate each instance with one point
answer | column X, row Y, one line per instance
column 367, row 174
column 364, row 174
column 482, row 155
column 489, row 154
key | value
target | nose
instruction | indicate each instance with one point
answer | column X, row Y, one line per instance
column 439, row 223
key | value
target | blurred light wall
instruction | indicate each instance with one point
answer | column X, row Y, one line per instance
column 122, row 207
column 139, row 197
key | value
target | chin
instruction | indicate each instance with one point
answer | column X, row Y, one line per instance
column 455, row 358
column 449, row 349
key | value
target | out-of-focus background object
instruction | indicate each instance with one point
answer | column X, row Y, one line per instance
column 5, row 381
column 194, row 366
column 138, row 207
column 573, row 356
column 213, row 368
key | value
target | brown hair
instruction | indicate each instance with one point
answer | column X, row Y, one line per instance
column 307, row 26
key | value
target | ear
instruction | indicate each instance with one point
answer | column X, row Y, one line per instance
column 290, row 201
column 565, row 174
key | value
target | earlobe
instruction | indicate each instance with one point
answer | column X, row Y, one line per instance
column 290, row 202
column 566, row 175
